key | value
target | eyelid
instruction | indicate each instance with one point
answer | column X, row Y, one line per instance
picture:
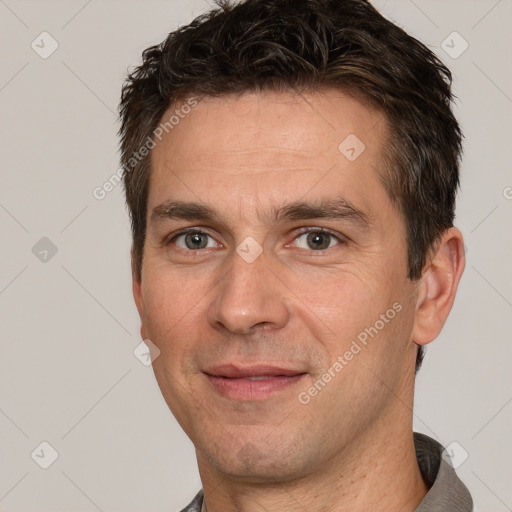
column 307, row 229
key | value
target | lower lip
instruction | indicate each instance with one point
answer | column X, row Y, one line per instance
column 253, row 390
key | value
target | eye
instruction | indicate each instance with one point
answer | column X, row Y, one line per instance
column 316, row 240
column 193, row 240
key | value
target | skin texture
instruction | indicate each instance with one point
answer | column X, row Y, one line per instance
column 294, row 306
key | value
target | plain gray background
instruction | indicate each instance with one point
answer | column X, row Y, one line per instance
column 68, row 375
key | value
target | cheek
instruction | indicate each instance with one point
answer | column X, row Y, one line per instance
column 170, row 306
column 341, row 300
column 342, row 307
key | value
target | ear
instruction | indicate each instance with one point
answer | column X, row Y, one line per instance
column 139, row 300
column 438, row 287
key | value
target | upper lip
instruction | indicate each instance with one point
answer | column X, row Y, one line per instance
column 236, row 371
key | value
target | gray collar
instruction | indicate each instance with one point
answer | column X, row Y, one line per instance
column 446, row 490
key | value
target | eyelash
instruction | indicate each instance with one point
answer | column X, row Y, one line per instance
column 310, row 229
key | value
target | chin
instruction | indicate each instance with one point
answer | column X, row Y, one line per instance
column 258, row 462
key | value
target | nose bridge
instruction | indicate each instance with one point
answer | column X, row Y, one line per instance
column 249, row 293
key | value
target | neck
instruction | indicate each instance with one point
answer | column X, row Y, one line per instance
column 377, row 472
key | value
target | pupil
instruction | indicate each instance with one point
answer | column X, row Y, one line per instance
column 197, row 241
column 316, row 238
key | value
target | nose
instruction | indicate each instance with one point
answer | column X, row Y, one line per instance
column 249, row 295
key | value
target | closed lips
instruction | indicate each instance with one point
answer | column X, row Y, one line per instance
column 231, row 371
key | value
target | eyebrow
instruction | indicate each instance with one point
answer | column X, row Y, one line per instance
column 338, row 208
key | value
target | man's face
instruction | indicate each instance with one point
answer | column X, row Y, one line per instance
column 253, row 307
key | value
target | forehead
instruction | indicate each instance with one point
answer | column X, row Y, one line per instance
column 268, row 145
column 301, row 122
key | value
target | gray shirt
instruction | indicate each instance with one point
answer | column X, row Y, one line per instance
column 446, row 492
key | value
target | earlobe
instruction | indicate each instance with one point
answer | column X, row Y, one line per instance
column 438, row 287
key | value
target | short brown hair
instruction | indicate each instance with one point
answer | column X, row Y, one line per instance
column 299, row 45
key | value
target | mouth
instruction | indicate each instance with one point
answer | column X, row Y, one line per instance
column 252, row 383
